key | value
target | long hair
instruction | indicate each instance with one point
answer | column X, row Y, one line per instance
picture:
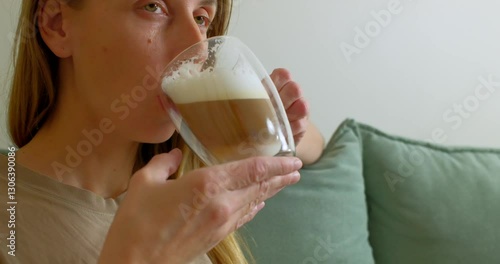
column 34, row 94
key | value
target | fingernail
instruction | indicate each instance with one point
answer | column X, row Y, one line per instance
column 295, row 177
column 297, row 163
column 260, row 206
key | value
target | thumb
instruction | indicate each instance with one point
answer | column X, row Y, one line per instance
column 164, row 165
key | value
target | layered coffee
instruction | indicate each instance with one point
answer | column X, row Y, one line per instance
column 229, row 113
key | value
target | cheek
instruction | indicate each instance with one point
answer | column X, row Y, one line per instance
column 119, row 63
column 133, row 54
column 146, row 121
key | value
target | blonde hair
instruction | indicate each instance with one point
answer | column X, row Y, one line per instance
column 34, row 94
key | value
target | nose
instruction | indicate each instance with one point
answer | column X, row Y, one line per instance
column 186, row 33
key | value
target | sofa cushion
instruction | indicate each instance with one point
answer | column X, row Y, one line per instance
column 429, row 203
column 323, row 218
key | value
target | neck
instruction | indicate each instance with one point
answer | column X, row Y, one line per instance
column 84, row 158
column 81, row 150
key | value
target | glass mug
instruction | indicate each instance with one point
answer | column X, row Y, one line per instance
column 224, row 104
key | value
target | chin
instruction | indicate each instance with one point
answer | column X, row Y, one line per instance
column 159, row 136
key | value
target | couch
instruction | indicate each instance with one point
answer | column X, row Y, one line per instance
column 378, row 198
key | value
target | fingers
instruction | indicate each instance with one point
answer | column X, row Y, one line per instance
column 243, row 173
column 226, row 188
column 298, row 110
column 289, row 90
column 229, row 195
column 259, row 192
column 247, row 202
column 255, row 201
column 249, row 216
column 299, row 128
column 290, row 93
column 280, row 78
column 162, row 166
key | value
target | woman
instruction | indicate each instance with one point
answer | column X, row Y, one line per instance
column 86, row 139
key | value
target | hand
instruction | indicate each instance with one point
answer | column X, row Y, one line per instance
column 179, row 220
column 295, row 105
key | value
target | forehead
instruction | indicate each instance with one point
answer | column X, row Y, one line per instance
column 208, row 2
column 193, row 2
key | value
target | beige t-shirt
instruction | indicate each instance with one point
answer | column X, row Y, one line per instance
column 54, row 222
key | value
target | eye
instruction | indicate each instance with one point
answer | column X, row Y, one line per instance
column 202, row 21
column 153, row 8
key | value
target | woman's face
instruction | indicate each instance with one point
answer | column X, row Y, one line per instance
column 119, row 48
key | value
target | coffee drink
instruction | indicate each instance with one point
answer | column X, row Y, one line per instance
column 228, row 112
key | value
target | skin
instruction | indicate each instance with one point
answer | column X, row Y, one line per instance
column 104, row 50
column 311, row 141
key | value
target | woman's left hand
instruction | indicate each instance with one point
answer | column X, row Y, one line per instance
column 296, row 107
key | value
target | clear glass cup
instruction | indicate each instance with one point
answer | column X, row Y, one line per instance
column 224, row 104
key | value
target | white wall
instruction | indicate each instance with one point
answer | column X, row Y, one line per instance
column 429, row 57
column 9, row 12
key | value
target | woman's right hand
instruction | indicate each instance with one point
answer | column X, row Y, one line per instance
column 176, row 221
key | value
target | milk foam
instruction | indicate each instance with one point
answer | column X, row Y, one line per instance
column 189, row 85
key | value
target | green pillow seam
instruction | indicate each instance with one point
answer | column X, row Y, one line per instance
column 448, row 149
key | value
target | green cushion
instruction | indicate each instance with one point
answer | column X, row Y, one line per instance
column 425, row 204
column 323, row 218
column 429, row 203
